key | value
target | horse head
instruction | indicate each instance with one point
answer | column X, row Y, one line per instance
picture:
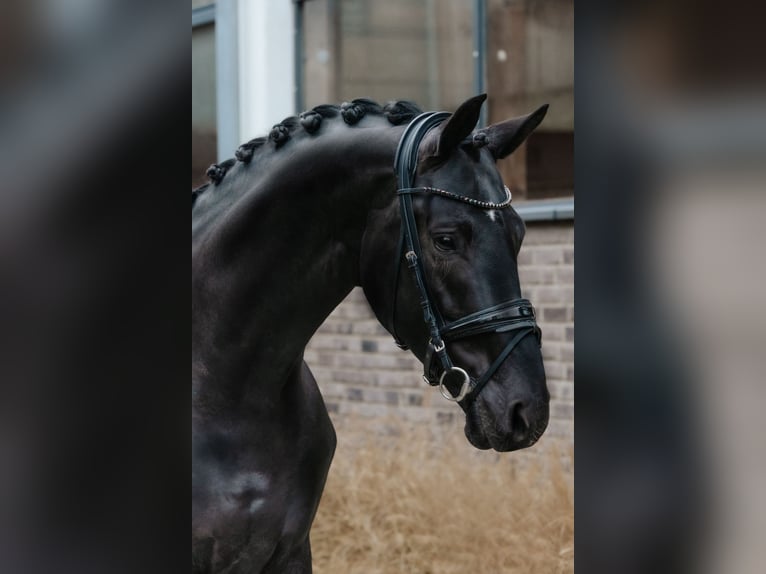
column 458, row 270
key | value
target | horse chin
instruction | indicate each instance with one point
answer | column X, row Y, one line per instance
column 474, row 432
column 483, row 441
column 477, row 439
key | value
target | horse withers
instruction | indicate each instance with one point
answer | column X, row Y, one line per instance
column 409, row 206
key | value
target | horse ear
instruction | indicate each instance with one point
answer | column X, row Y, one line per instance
column 460, row 125
column 506, row 136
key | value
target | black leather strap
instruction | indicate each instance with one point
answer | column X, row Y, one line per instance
column 397, row 269
column 479, row 385
column 405, row 167
column 503, row 317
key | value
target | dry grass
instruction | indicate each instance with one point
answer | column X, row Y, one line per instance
column 406, row 503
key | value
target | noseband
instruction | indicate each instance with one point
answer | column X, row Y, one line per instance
column 515, row 315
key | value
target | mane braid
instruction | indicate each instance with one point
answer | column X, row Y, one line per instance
column 327, row 110
column 397, row 112
column 245, row 152
column 281, row 132
column 355, row 110
column 402, row 111
column 216, row 171
column 311, row 120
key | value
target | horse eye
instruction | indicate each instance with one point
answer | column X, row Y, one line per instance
column 444, row 243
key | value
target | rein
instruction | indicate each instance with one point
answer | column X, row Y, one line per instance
column 515, row 315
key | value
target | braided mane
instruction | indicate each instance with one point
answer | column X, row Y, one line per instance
column 307, row 124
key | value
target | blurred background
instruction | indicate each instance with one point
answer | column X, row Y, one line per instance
column 93, row 325
column 670, row 276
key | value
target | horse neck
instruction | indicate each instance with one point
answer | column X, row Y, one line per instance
column 282, row 254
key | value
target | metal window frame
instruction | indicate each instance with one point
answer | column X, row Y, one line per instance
column 203, row 15
column 480, row 53
column 298, row 35
column 546, row 210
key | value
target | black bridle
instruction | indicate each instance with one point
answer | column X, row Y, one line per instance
column 515, row 315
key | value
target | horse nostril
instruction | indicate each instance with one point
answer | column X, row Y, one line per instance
column 519, row 421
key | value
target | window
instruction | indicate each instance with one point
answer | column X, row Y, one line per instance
column 530, row 61
column 420, row 50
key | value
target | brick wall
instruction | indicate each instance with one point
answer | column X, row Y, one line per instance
column 362, row 372
column 546, row 271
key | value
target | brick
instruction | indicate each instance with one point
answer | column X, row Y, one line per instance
column 549, row 234
column 551, row 351
column 368, row 361
column 443, row 417
column 558, row 429
column 415, row 414
column 555, row 370
column 332, row 390
column 334, row 343
column 369, row 346
column 553, row 332
column 528, row 292
column 367, row 327
column 377, row 395
column 354, row 394
column 335, row 327
column 386, row 345
column 369, row 409
column 525, row 257
column 356, row 296
column 415, row 400
column 409, row 362
column 563, row 274
column 549, row 294
column 555, row 314
column 561, row 390
column 536, row 275
column 562, row 410
column 398, row 379
column 323, row 358
column 548, row 255
column 352, row 311
column 352, row 376
column 311, row 356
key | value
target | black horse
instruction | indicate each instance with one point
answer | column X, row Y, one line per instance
column 279, row 237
